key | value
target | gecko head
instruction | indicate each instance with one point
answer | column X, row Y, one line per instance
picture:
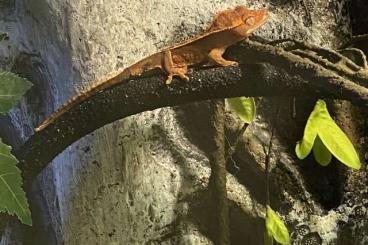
column 252, row 18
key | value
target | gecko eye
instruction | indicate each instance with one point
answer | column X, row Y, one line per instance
column 249, row 21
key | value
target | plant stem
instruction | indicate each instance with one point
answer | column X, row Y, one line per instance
column 268, row 158
column 232, row 147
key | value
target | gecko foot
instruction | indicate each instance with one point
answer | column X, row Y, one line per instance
column 169, row 79
column 184, row 77
column 230, row 63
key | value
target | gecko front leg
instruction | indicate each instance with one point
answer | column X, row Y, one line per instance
column 215, row 55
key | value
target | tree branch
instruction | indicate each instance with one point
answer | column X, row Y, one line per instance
column 264, row 70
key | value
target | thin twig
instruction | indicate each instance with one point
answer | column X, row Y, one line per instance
column 268, row 158
column 232, row 147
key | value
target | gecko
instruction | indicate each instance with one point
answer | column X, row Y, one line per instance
column 228, row 27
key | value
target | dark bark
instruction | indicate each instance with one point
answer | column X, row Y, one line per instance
column 280, row 73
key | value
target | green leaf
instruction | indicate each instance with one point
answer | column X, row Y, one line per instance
column 321, row 153
column 331, row 137
column 276, row 228
column 304, row 147
column 12, row 87
column 336, row 140
column 244, row 107
column 12, row 197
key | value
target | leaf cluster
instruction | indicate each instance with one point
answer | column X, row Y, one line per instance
column 322, row 136
column 12, row 197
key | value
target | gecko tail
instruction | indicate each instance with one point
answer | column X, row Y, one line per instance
column 149, row 63
column 110, row 80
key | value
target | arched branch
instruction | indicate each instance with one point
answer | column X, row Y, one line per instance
column 264, row 70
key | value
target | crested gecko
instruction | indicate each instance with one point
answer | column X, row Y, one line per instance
column 228, row 27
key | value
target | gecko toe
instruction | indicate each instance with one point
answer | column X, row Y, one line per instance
column 233, row 63
column 184, row 77
column 168, row 80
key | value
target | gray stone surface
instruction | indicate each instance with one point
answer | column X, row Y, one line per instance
column 142, row 180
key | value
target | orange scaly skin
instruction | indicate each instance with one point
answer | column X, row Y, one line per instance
column 227, row 28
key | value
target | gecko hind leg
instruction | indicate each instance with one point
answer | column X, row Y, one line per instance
column 173, row 70
column 168, row 65
column 215, row 55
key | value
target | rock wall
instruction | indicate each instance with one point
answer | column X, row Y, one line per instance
column 143, row 179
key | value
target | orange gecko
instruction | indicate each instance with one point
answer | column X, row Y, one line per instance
column 228, row 27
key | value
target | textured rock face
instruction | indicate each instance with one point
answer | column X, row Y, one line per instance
column 143, row 180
